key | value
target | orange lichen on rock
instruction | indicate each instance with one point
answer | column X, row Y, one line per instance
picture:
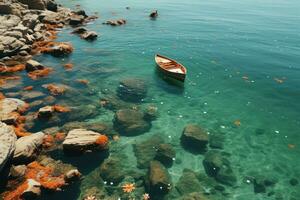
column 28, row 88
column 55, row 90
column 3, row 79
column 102, row 141
column 2, row 95
column 16, row 193
column 61, row 109
column 40, row 73
column 12, row 69
column 44, row 175
column 20, row 130
column 60, row 136
column 68, row 66
column 48, row 141
column 83, row 81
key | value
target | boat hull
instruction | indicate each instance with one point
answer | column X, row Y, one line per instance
column 177, row 76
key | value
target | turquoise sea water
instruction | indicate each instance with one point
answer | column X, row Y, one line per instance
column 234, row 52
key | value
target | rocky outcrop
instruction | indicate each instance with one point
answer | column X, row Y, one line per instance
column 82, row 140
column 132, row 90
column 188, row 183
column 130, row 122
column 28, row 147
column 8, row 107
column 7, row 148
column 116, row 22
column 89, row 35
column 32, row 65
column 159, row 181
column 194, row 139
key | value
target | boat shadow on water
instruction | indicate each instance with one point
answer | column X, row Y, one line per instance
column 173, row 86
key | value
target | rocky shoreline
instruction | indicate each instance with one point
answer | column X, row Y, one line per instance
column 40, row 123
column 28, row 28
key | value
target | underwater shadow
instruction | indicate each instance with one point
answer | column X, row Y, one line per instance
column 173, row 86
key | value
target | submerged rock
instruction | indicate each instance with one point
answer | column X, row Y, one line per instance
column 116, row 22
column 146, row 150
column 79, row 30
column 132, row 90
column 89, row 35
column 111, row 170
column 7, row 148
column 76, row 20
column 82, row 140
column 165, row 154
column 159, row 181
column 130, row 122
column 28, row 147
column 188, row 183
column 194, row 139
column 218, row 166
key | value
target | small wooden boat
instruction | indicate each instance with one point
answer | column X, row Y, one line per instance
column 170, row 67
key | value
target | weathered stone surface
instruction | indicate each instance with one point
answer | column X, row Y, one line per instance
column 89, row 35
column 80, row 140
column 32, row 65
column 111, row 170
column 60, row 49
column 218, row 166
column 7, row 148
column 130, row 122
column 194, row 139
column 9, row 46
column 9, row 105
column 132, row 90
column 28, row 147
column 159, row 181
column 165, row 154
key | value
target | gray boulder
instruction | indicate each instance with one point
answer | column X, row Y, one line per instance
column 194, row 139
column 130, row 122
column 10, row 105
column 28, row 147
column 51, row 5
column 7, row 148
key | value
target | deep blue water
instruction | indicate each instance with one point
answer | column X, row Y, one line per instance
column 234, row 52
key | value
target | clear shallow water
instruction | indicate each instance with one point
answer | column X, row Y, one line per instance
column 233, row 50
